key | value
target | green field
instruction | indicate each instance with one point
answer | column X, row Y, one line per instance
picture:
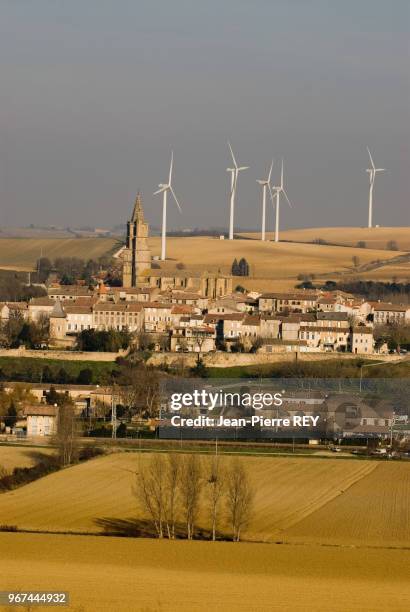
column 31, row 369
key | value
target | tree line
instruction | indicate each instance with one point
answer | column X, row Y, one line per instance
column 16, row 331
column 174, row 489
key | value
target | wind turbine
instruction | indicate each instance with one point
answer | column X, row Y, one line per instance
column 372, row 176
column 278, row 189
column 234, row 180
column 164, row 188
column 265, row 183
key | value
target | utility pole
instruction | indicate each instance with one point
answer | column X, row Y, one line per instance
column 372, row 365
column 113, row 415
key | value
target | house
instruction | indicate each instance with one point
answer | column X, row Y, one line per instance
column 228, row 324
column 18, row 309
column 290, row 327
column 386, row 313
column 305, row 301
column 41, row 420
column 185, row 298
column 226, row 305
column 361, row 340
column 250, row 330
column 157, row 316
column 270, row 326
column 78, row 317
column 40, row 307
column 69, row 292
column 198, row 339
column 123, row 316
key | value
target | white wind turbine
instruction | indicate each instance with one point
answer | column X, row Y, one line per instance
column 265, row 183
column 372, row 176
column 234, row 180
column 278, row 189
column 164, row 188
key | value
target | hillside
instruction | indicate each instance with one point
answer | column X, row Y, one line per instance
column 296, row 498
column 276, row 266
column 20, row 456
column 273, row 266
column 375, row 237
column 373, row 509
column 22, row 253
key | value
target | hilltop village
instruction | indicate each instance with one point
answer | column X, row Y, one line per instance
column 182, row 310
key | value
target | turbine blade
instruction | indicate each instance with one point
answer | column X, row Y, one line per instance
column 175, row 198
column 286, row 196
column 233, row 156
column 170, row 168
column 161, row 190
column 281, row 175
column 270, row 171
column 371, row 158
column 242, row 168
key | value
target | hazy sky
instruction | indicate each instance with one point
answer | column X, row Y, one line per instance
column 94, row 93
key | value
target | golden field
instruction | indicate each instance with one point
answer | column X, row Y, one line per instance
column 22, row 253
column 129, row 575
column 343, row 525
column 20, row 456
column 272, row 266
column 296, row 499
column 276, row 266
column 375, row 237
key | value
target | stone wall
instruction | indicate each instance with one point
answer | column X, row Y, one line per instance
column 226, row 360
column 66, row 355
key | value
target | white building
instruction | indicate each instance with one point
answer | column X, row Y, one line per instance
column 41, row 420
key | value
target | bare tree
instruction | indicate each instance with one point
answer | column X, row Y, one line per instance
column 191, row 484
column 239, row 498
column 150, row 489
column 140, row 390
column 172, row 491
column 66, row 438
column 215, row 491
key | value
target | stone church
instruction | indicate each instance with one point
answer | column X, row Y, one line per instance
column 136, row 255
column 138, row 272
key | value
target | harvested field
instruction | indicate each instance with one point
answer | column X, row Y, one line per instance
column 161, row 576
column 86, row 496
column 375, row 238
column 22, row 253
column 375, row 509
column 20, row 456
column 276, row 266
column 272, row 266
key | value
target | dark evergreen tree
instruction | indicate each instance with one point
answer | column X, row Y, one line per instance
column 235, row 268
column 243, row 267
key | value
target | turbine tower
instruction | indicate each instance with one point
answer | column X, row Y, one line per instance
column 372, row 176
column 234, row 180
column 164, row 188
column 278, row 189
column 265, row 183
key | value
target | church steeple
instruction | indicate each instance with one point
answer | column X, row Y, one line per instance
column 138, row 213
column 137, row 255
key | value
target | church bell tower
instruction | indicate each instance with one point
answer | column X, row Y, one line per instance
column 137, row 255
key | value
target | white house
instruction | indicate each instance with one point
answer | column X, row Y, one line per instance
column 41, row 420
